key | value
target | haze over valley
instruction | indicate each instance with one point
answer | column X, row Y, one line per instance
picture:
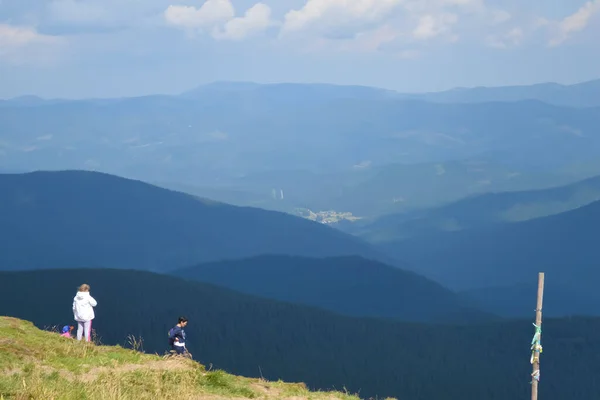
column 358, row 196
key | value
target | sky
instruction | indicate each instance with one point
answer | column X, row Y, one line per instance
column 113, row 48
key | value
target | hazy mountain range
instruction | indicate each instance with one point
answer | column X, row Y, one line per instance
column 76, row 219
column 427, row 291
column 564, row 245
column 86, row 219
column 584, row 94
column 495, row 263
column 480, row 210
column 242, row 138
column 370, row 192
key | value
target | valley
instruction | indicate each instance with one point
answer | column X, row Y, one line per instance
column 367, row 242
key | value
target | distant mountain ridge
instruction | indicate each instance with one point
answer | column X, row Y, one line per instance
column 368, row 191
column 564, row 245
column 347, row 285
column 581, row 94
column 584, row 94
column 289, row 92
column 365, row 150
column 482, row 210
column 90, row 219
column 218, row 132
column 491, row 265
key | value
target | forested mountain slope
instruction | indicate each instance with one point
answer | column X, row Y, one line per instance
column 348, row 285
column 252, row 336
column 565, row 246
column 83, row 219
column 482, row 210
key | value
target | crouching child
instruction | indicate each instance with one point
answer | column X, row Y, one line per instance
column 177, row 337
column 66, row 331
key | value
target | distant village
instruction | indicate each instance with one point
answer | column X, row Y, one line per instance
column 326, row 217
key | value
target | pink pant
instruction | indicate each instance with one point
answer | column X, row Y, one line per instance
column 84, row 327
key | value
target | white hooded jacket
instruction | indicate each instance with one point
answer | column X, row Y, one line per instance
column 83, row 307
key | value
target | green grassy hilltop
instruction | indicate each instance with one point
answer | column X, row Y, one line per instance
column 36, row 364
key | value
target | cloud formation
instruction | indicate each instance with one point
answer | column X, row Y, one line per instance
column 406, row 28
column 210, row 15
column 255, row 20
column 388, row 25
column 331, row 15
column 431, row 26
column 217, row 17
column 505, row 40
column 23, row 45
column 576, row 22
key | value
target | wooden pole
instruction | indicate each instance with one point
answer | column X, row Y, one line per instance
column 536, row 347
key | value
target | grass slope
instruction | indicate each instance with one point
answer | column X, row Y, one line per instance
column 347, row 285
column 82, row 219
column 249, row 336
column 37, row 364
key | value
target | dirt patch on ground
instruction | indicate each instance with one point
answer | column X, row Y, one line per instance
column 170, row 364
column 89, row 375
column 271, row 392
column 7, row 342
column 263, row 396
column 262, row 387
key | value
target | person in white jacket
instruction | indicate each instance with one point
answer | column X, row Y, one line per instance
column 83, row 311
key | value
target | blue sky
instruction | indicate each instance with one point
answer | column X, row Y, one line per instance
column 102, row 48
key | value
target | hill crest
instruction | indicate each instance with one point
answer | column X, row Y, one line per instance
column 348, row 285
column 82, row 218
column 374, row 357
column 41, row 364
column 504, row 255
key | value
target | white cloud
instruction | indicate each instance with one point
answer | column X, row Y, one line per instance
column 23, row 45
column 370, row 41
column 217, row 17
column 576, row 22
column 15, row 36
column 398, row 23
column 332, row 15
column 256, row 19
column 499, row 16
column 540, row 22
column 431, row 26
column 461, row 2
column 210, row 15
column 508, row 39
column 363, row 25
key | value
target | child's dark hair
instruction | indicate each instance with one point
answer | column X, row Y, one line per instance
column 182, row 320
